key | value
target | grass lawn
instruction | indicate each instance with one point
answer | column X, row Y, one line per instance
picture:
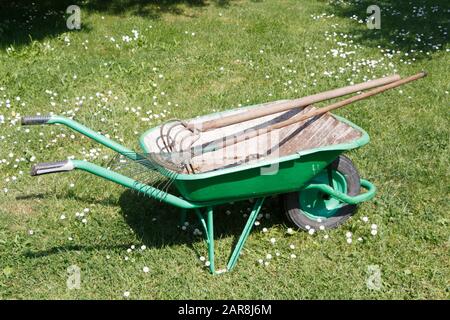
column 188, row 58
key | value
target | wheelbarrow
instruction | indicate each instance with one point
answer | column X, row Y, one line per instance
column 319, row 186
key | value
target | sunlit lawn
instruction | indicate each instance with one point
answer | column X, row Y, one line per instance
column 188, row 58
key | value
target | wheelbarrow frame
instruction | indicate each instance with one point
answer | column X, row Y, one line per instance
column 309, row 163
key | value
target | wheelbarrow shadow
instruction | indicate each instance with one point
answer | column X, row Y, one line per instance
column 157, row 224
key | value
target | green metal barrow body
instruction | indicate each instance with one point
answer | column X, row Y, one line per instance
column 292, row 172
column 205, row 190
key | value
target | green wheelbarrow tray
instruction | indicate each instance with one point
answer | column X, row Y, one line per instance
column 202, row 191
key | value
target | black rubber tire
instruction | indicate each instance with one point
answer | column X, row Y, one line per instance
column 296, row 216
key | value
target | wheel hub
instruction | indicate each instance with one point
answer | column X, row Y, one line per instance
column 318, row 205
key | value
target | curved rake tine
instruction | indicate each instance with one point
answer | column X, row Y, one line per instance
column 174, row 139
column 189, row 147
column 180, row 123
column 158, row 143
column 189, row 134
column 165, row 185
column 176, row 122
column 161, row 135
column 170, row 144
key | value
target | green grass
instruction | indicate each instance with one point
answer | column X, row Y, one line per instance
column 188, row 42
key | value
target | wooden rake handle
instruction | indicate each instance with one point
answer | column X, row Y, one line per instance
column 222, row 143
column 291, row 104
column 345, row 102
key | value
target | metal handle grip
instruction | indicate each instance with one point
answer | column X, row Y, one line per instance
column 31, row 120
column 51, row 167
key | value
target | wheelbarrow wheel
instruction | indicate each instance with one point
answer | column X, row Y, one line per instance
column 308, row 209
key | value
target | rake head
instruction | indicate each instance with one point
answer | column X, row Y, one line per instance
column 176, row 136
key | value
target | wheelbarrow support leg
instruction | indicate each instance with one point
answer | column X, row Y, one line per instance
column 245, row 233
column 208, row 227
column 210, row 223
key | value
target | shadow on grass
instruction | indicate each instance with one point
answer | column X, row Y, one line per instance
column 156, row 224
column 109, row 202
column 74, row 247
column 418, row 25
column 22, row 21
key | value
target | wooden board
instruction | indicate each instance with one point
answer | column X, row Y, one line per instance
column 313, row 133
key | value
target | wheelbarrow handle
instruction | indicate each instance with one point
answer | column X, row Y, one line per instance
column 69, row 165
column 55, row 119
column 51, row 167
column 34, row 120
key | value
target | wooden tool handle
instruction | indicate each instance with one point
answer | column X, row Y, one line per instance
column 222, row 143
column 291, row 104
column 345, row 102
